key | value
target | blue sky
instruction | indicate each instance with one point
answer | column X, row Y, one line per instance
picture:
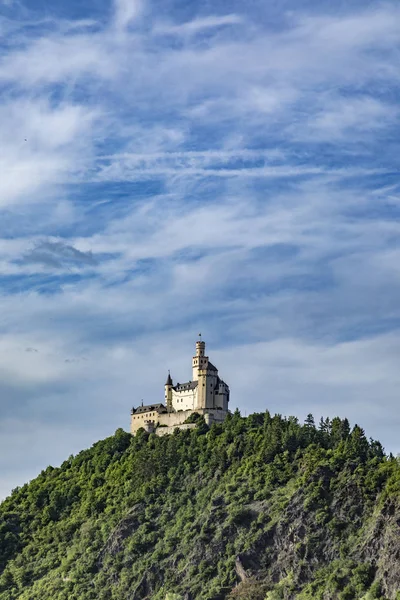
column 173, row 167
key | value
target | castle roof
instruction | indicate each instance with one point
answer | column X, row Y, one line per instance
column 169, row 379
column 189, row 385
column 211, row 367
column 160, row 408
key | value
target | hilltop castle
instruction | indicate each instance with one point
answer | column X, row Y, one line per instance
column 206, row 395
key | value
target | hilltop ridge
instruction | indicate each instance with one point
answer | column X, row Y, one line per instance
column 254, row 508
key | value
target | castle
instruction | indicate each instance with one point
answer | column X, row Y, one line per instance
column 206, row 395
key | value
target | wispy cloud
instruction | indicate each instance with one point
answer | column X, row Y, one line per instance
column 344, row 119
column 56, row 254
column 199, row 24
column 167, row 169
column 126, row 11
column 40, row 144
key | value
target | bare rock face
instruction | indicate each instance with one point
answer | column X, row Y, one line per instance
column 381, row 546
column 240, row 570
column 307, row 537
column 124, row 529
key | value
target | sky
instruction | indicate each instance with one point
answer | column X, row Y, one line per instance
column 169, row 168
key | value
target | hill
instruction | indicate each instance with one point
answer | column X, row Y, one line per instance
column 254, row 508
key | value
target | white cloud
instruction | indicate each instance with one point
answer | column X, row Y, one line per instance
column 376, row 26
column 342, row 118
column 39, row 145
column 126, row 11
column 199, row 24
column 178, row 152
column 22, row 368
column 57, row 58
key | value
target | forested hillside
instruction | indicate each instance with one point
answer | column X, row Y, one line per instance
column 256, row 508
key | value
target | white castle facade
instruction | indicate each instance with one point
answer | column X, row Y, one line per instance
column 206, row 394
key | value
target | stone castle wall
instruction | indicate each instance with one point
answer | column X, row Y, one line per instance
column 178, row 418
column 160, row 431
column 175, row 419
column 138, row 420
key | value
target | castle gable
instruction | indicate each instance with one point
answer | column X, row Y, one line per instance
column 181, row 387
column 159, row 408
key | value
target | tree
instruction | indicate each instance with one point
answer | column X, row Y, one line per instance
column 309, row 422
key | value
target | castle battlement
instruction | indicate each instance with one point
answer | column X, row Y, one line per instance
column 206, row 394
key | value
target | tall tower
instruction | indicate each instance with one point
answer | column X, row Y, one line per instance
column 200, row 361
column 200, row 366
column 168, row 392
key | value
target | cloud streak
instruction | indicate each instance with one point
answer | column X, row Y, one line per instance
column 56, row 254
column 168, row 169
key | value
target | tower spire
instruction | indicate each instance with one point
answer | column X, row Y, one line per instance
column 168, row 392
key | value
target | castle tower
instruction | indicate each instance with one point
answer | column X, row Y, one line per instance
column 168, row 392
column 200, row 361
column 200, row 366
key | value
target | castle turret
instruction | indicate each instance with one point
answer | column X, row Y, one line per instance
column 200, row 361
column 168, row 392
column 200, row 366
column 148, row 426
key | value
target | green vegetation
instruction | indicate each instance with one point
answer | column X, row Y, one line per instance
column 258, row 508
